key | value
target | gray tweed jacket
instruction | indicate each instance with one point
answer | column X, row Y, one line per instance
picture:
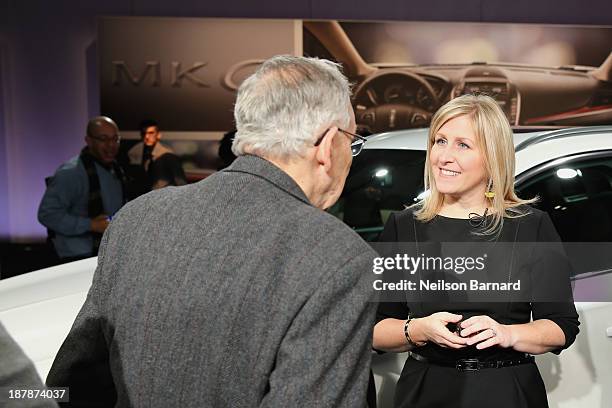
column 232, row 292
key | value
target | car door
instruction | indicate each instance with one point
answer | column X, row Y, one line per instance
column 576, row 191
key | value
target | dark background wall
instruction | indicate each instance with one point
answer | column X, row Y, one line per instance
column 48, row 75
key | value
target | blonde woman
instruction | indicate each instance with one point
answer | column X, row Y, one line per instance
column 477, row 354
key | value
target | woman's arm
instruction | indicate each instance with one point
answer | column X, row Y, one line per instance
column 389, row 333
column 538, row 337
column 389, row 336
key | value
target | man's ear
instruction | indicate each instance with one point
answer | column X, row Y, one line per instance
column 324, row 150
column 159, row 136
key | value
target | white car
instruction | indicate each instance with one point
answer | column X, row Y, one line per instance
column 38, row 308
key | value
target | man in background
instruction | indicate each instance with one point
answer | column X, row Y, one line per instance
column 237, row 291
column 84, row 193
column 159, row 166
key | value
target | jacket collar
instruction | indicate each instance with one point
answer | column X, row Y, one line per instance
column 264, row 169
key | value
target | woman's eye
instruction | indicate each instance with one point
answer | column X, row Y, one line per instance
column 463, row 145
column 440, row 141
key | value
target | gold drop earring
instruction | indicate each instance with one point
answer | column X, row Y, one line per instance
column 489, row 191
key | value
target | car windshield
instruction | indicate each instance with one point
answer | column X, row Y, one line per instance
column 425, row 43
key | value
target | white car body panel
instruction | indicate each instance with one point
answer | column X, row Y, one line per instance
column 38, row 308
column 552, row 149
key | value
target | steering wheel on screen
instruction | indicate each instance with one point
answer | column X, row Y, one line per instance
column 390, row 116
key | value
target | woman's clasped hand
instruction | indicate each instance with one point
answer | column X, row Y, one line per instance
column 481, row 331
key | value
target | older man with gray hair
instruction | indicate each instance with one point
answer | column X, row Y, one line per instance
column 238, row 291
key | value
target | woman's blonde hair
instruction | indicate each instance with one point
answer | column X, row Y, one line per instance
column 495, row 141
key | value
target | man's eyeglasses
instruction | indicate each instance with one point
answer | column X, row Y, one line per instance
column 109, row 139
column 357, row 141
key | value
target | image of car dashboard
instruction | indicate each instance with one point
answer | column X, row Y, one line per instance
column 390, row 96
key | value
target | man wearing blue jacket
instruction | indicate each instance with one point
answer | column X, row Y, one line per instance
column 84, row 193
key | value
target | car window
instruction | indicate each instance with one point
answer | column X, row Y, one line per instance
column 578, row 197
column 380, row 181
